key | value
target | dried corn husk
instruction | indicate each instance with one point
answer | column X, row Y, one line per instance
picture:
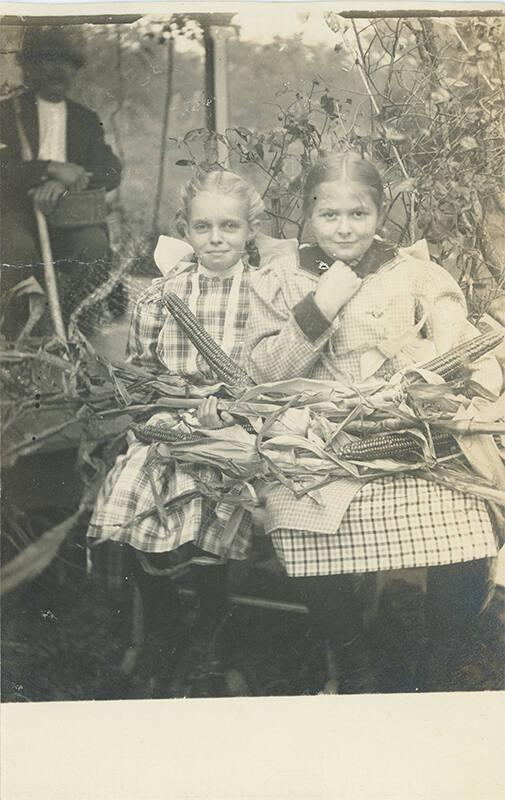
column 300, row 424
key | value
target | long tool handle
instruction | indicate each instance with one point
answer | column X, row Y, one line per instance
column 50, row 276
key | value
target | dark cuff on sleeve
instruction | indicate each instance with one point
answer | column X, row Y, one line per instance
column 33, row 173
column 44, row 165
column 310, row 319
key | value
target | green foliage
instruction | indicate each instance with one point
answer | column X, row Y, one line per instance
column 424, row 99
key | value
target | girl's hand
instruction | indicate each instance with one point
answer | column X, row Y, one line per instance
column 335, row 289
column 210, row 417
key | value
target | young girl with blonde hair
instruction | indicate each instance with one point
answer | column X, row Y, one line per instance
column 219, row 217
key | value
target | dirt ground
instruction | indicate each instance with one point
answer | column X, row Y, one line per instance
column 64, row 638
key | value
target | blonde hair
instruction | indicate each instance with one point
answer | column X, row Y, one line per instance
column 221, row 181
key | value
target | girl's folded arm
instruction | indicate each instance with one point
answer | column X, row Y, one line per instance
column 282, row 342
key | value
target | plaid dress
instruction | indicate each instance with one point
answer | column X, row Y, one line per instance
column 406, row 311
column 128, row 508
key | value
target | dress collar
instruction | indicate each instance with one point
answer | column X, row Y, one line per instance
column 314, row 259
column 222, row 274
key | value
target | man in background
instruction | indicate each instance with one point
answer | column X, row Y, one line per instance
column 51, row 146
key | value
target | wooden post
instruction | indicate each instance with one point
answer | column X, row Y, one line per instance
column 217, row 29
column 210, row 89
column 50, row 276
column 220, row 35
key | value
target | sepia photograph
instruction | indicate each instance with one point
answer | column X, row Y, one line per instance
column 252, row 352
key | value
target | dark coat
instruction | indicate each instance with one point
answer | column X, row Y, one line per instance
column 86, row 146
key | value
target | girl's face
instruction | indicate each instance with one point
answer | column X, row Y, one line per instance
column 344, row 219
column 218, row 229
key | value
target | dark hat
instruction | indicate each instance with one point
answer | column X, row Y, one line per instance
column 51, row 43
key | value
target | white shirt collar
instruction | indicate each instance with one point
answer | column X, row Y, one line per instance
column 49, row 106
column 52, row 118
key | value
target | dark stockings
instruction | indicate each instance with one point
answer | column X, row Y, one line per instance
column 164, row 620
column 334, row 604
column 162, row 616
column 210, row 584
column 455, row 595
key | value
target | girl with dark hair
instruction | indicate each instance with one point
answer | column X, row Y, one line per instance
column 350, row 308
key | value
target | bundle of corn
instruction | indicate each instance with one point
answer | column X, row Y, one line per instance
column 388, row 438
column 402, row 446
column 101, row 399
column 220, row 363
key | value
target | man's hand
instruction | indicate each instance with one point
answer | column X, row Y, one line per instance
column 47, row 195
column 209, row 417
column 335, row 288
column 71, row 175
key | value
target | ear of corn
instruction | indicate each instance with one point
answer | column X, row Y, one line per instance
column 221, row 364
column 246, row 425
column 451, row 364
column 150, row 433
column 402, row 446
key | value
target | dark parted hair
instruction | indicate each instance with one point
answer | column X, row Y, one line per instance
column 343, row 166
